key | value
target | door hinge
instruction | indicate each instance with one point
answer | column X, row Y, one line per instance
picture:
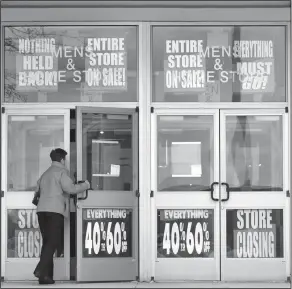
column 2, row 194
column 286, row 109
column 152, row 278
column 152, row 109
column 288, row 194
column 151, row 194
column 137, row 109
column 289, row 279
column 3, row 109
column 137, row 194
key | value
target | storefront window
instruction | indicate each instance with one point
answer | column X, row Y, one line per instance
column 30, row 141
column 219, row 64
column 185, row 153
column 71, row 64
column 254, row 153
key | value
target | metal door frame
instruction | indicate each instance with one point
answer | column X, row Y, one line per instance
column 4, row 201
column 222, row 155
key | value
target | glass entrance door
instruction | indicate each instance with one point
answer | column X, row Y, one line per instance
column 219, row 205
column 254, row 205
column 107, row 214
column 186, row 213
column 29, row 137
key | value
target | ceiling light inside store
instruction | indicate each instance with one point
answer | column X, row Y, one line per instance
column 117, row 116
column 22, row 118
column 172, row 118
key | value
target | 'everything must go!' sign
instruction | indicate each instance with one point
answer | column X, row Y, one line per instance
column 185, row 65
column 107, row 232
column 38, row 61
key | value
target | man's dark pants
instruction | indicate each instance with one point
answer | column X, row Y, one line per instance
column 52, row 230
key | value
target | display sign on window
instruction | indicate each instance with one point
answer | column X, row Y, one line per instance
column 38, row 58
column 37, row 65
column 24, row 239
column 107, row 232
column 185, row 65
column 187, row 233
column 255, row 233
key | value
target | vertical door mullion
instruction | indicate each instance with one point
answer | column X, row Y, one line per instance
column 216, row 178
column 135, row 237
column 223, row 162
column 4, row 166
column 79, row 177
column 154, row 178
column 287, row 211
column 67, row 242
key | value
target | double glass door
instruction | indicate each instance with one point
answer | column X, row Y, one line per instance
column 106, row 215
column 219, row 206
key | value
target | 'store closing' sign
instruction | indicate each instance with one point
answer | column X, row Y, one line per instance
column 255, row 233
column 24, row 238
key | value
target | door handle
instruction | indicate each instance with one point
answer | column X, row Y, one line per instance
column 212, row 191
column 86, row 192
column 227, row 191
column 86, row 195
column 83, row 198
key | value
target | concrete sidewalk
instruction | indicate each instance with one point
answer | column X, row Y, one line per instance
column 33, row 284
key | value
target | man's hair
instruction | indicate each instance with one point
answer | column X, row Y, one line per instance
column 57, row 155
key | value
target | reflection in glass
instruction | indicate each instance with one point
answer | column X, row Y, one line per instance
column 182, row 56
column 30, row 141
column 185, row 153
column 107, row 151
column 254, row 147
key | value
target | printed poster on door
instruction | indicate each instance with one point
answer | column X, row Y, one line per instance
column 24, row 239
column 185, row 233
column 254, row 233
column 107, row 232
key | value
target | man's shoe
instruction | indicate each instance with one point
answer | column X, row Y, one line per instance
column 46, row 280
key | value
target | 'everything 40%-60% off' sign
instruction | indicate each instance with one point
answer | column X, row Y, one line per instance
column 107, row 233
column 185, row 233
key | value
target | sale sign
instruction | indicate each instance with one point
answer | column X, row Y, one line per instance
column 185, row 233
column 24, row 237
column 107, row 232
column 255, row 233
column 191, row 65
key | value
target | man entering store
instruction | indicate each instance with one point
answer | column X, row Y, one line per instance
column 54, row 186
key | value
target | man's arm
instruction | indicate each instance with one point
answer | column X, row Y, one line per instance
column 69, row 187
